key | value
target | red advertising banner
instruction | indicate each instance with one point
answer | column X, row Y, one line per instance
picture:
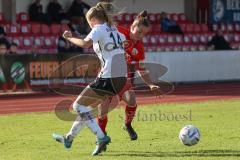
column 46, row 71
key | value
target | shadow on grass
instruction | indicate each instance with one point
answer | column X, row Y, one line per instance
column 198, row 153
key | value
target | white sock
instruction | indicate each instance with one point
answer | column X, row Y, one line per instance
column 91, row 123
column 89, row 120
column 77, row 126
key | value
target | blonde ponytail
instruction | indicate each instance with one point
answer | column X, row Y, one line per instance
column 100, row 11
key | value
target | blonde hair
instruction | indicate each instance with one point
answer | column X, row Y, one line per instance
column 141, row 19
column 100, row 12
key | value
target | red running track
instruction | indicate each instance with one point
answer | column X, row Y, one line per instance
column 181, row 94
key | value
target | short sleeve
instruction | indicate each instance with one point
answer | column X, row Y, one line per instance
column 94, row 35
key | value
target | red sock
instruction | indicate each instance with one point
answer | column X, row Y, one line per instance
column 5, row 87
column 102, row 122
column 129, row 114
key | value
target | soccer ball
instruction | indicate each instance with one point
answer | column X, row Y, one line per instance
column 189, row 135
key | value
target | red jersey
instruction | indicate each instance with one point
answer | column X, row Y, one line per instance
column 134, row 54
column 135, row 51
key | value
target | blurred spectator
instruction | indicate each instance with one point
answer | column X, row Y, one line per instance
column 218, row 42
column 36, row 11
column 77, row 15
column 3, row 39
column 13, row 49
column 36, row 14
column 3, row 49
column 168, row 25
column 55, row 11
column 77, row 8
column 3, row 82
column 35, row 50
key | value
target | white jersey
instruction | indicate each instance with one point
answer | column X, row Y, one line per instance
column 107, row 43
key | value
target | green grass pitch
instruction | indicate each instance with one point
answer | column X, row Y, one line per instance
column 28, row 136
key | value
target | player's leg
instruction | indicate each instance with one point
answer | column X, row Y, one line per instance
column 114, row 85
column 77, row 126
column 103, row 109
column 88, row 98
column 85, row 117
column 130, row 99
column 93, row 95
column 67, row 139
column 102, row 122
column 102, row 118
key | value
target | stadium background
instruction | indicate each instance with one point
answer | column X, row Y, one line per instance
column 186, row 57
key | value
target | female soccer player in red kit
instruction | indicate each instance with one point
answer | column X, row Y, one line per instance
column 134, row 54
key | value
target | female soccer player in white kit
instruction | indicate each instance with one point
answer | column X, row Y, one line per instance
column 107, row 43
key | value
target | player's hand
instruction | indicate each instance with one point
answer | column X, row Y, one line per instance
column 153, row 87
column 157, row 91
column 67, row 34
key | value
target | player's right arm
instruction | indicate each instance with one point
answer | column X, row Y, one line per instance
column 86, row 43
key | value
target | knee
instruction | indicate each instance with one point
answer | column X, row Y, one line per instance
column 131, row 100
column 80, row 108
column 102, row 117
column 132, row 103
column 75, row 106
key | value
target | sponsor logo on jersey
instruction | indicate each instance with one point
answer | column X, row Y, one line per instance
column 134, row 51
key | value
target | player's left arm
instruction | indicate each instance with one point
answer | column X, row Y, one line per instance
column 144, row 74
